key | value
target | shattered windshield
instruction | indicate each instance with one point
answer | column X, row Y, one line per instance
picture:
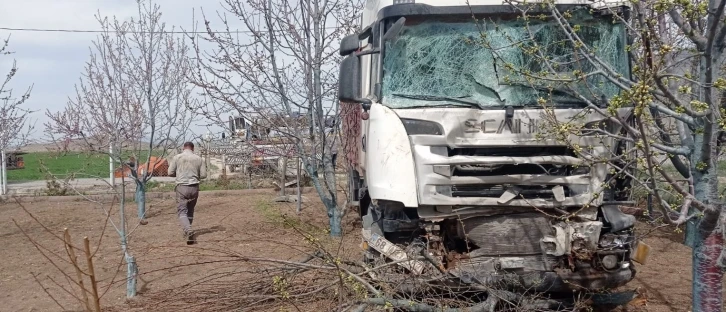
column 443, row 62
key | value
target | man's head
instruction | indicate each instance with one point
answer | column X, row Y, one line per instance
column 189, row 146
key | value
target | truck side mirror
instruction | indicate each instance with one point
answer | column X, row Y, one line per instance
column 349, row 80
column 349, row 44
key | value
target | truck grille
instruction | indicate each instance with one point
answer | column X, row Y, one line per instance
column 514, row 151
column 496, row 176
column 488, row 190
column 483, row 170
column 498, row 170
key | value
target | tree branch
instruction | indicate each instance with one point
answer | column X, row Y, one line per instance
column 688, row 30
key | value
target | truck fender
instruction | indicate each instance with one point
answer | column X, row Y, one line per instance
column 390, row 173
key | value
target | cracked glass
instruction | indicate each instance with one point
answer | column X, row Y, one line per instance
column 491, row 62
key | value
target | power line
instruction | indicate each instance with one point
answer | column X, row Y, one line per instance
column 132, row 32
column 103, row 31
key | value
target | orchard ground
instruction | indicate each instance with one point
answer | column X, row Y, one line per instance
column 243, row 222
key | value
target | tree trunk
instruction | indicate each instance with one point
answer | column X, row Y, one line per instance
column 131, row 273
column 131, row 269
column 708, row 273
column 336, row 218
column 141, row 200
column 327, row 195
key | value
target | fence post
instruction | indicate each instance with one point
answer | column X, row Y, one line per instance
column 283, row 173
column 3, row 174
column 111, row 178
column 299, row 195
column 224, row 166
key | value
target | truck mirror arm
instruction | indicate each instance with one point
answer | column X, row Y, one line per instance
column 366, row 104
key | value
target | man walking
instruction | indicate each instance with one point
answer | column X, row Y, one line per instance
column 188, row 169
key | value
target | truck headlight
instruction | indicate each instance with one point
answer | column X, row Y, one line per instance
column 444, row 190
column 425, row 127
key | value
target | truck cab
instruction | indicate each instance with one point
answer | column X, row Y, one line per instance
column 452, row 154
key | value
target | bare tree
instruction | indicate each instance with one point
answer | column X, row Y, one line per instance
column 13, row 116
column 132, row 98
column 282, row 63
column 649, row 76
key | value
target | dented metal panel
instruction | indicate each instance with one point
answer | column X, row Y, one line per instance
column 514, row 234
column 388, row 158
column 437, row 167
column 392, row 251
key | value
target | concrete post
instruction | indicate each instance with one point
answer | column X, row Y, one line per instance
column 283, row 172
column 111, row 178
column 3, row 174
column 299, row 195
column 224, row 166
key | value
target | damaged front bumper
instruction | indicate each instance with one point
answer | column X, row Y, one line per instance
column 529, row 216
column 549, row 282
column 525, row 250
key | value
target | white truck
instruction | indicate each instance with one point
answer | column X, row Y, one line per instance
column 447, row 153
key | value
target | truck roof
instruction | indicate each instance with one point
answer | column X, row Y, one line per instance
column 373, row 8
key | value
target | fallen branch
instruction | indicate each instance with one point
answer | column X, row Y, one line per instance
column 412, row 306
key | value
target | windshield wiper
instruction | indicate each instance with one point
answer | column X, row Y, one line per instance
column 557, row 104
column 440, row 99
column 565, row 98
column 570, row 103
column 455, row 105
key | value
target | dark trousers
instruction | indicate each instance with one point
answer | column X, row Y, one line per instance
column 186, row 199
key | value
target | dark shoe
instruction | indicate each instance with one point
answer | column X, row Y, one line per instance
column 189, row 237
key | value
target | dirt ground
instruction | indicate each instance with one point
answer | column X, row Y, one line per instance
column 229, row 223
column 666, row 277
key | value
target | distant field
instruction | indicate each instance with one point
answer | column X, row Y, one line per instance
column 39, row 164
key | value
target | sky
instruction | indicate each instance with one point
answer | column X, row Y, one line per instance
column 53, row 61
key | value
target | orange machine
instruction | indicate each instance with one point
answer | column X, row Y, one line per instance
column 157, row 166
column 13, row 160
